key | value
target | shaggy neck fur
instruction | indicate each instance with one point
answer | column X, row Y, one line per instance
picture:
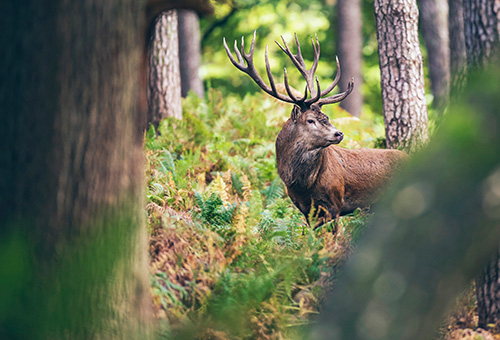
column 298, row 167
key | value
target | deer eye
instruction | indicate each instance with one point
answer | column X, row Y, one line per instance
column 310, row 121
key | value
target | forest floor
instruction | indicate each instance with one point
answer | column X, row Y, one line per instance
column 231, row 257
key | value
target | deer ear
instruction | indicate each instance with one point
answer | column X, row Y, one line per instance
column 295, row 113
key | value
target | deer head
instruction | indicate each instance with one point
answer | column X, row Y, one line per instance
column 309, row 122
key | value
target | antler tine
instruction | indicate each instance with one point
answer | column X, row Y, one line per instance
column 299, row 52
column 239, row 66
column 289, row 90
column 338, row 97
column 248, row 57
column 270, row 74
column 335, row 81
column 287, row 86
column 299, row 64
column 316, row 49
column 318, row 94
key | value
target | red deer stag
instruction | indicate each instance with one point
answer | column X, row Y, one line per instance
column 317, row 173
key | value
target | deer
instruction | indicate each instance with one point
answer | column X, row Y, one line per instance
column 319, row 174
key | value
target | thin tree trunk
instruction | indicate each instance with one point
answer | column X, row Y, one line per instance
column 349, row 48
column 402, row 79
column 190, row 52
column 164, row 73
column 71, row 225
column 434, row 24
column 458, row 58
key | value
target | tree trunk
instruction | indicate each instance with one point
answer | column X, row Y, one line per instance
column 190, row 53
column 402, row 78
column 164, row 73
column 349, row 48
column 457, row 44
column 481, row 23
column 434, row 24
column 488, row 297
column 72, row 235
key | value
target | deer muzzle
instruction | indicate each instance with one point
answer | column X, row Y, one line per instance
column 336, row 137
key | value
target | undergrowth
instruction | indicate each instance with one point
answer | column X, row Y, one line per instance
column 231, row 257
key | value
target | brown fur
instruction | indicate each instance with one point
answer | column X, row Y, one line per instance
column 316, row 173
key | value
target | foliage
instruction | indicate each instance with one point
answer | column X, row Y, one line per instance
column 231, row 257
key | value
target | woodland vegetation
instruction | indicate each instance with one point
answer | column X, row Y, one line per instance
column 182, row 229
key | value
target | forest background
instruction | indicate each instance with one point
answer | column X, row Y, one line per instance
column 229, row 255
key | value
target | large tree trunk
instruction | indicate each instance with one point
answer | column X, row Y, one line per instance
column 190, row 52
column 72, row 236
column 458, row 58
column 349, row 49
column 434, row 24
column 164, row 73
column 402, row 78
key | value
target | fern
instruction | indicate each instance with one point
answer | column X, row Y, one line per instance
column 215, row 214
column 156, row 193
column 219, row 187
column 355, row 223
column 274, row 191
column 151, row 140
column 168, row 164
column 236, row 184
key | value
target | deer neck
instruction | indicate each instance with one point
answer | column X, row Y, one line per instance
column 298, row 167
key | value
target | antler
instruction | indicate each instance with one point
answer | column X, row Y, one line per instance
column 298, row 61
column 252, row 72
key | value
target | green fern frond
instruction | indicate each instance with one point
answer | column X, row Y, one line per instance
column 168, row 163
column 274, row 191
column 236, row 183
column 156, row 189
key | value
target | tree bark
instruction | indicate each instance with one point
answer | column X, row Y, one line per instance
column 481, row 25
column 164, row 72
column 349, row 48
column 402, row 79
column 482, row 41
column 72, row 236
column 190, row 53
column 458, row 58
column 434, row 24
column 488, row 299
